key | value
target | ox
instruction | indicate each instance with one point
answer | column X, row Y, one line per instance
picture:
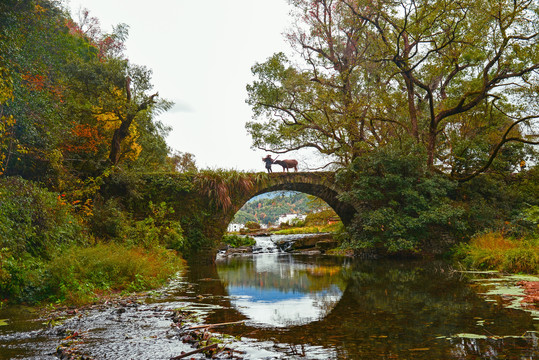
column 287, row 164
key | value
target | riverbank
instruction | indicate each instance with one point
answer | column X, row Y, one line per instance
column 86, row 275
column 204, row 309
column 496, row 251
column 50, row 251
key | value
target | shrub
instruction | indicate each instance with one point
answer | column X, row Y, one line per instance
column 34, row 220
column 157, row 229
column 251, row 225
column 401, row 205
column 109, row 221
column 82, row 272
column 321, row 217
column 22, row 278
column 237, row 241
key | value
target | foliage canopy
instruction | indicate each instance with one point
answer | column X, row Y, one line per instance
column 459, row 78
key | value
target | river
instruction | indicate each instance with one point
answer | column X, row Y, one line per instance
column 300, row 306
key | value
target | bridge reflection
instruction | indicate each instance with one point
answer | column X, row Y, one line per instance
column 278, row 290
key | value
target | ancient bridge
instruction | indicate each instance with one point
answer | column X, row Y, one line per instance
column 207, row 201
column 319, row 184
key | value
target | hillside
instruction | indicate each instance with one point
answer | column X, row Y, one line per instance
column 267, row 208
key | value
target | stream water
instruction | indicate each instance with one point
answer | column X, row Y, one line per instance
column 304, row 307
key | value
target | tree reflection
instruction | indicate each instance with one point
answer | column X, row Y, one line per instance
column 385, row 309
column 279, row 290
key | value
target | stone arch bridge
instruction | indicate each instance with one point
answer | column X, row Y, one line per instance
column 319, row 184
column 207, row 201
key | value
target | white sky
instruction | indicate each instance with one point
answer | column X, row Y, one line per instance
column 201, row 53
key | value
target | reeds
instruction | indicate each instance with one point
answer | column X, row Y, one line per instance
column 494, row 251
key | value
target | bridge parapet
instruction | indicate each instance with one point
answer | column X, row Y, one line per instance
column 206, row 202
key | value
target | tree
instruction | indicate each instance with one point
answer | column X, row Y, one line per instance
column 183, row 161
column 71, row 104
column 127, row 116
column 401, row 207
column 108, row 88
column 459, row 78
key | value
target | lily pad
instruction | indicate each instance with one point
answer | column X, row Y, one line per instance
column 3, row 322
column 523, row 277
column 471, row 336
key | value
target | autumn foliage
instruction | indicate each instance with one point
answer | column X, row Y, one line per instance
column 66, row 91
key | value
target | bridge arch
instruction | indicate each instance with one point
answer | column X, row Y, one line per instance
column 319, row 184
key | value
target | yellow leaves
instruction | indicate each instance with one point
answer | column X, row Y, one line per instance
column 85, row 208
column 108, row 120
column 6, row 86
column 7, row 142
column 134, row 151
column 6, row 123
column 39, row 9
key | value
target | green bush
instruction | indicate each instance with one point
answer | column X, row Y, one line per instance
column 83, row 272
column 22, row 278
column 34, row 220
column 109, row 221
column 237, row 240
column 156, row 229
column 321, row 218
column 401, row 205
column 251, row 225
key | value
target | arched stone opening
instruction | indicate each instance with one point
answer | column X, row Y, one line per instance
column 322, row 191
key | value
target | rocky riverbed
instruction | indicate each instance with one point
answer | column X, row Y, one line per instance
column 309, row 244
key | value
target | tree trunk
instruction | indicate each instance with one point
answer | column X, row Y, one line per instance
column 123, row 131
column 119, row 135
column 411, row 106
column 431, row 146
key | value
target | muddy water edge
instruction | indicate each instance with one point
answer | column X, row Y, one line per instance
column 278, row 305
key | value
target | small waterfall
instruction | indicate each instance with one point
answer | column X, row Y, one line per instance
column 264, row 244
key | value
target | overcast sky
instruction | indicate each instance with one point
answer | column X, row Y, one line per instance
column 201, row 53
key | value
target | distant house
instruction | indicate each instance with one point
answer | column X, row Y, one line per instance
column 290, row 218
column 233, row 227
column 333, row 220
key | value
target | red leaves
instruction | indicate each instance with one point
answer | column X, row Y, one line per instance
column 86, row 139
column 531, row 289
column 34, row 82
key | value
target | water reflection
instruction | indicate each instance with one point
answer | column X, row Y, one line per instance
column 382, row 309
column 280, row 290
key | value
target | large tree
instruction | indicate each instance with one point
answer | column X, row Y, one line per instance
column 71, row 103
column 458, row 77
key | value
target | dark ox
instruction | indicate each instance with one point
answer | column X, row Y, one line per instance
column 287, row 164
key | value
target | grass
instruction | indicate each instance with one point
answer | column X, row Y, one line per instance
column 237, row 240
column 85, row 273
column 80, row 275
column 494, row 251
column 310, row 229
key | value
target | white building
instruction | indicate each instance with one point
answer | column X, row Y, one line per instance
column 290, row 218
column 233, row 227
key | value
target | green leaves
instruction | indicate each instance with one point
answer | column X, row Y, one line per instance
column 400, row 205
column 456, row 77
